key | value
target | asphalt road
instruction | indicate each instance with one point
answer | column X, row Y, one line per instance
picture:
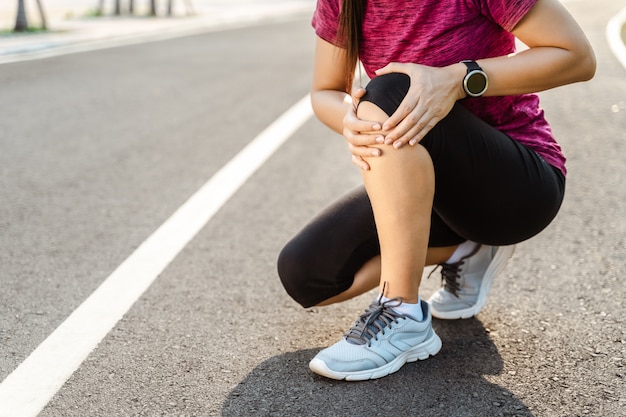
column 99, row 148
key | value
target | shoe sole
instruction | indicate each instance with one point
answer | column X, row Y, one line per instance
column 424, row 350
column 503, row 254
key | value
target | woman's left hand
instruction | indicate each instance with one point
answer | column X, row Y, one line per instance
column 431, row 96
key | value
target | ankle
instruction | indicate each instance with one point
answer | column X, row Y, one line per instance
column 412, row 309
column 406, row 293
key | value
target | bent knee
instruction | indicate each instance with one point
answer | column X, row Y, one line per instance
column 370, row 111
column 386, row 92
column 305, row 278
column 294, row 276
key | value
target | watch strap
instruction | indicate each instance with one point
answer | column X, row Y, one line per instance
column 471, row 65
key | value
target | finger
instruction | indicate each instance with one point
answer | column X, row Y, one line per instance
column 363, row 139
column 358, row 161
column 413, row 120
column 422, row 133
column 392, row 67
column 407, row 105
column 364, row 151
column 405, row 132
column 414, row 133
column 352, row 122
column 358, row 93
column 363, row 127
column 419, row 131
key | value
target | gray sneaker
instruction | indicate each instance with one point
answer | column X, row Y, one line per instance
column 466, row 283
column 378, row 344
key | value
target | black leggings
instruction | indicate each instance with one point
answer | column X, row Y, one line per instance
column 488, row 189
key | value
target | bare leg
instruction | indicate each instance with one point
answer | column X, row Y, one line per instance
column 401, row 186
column 368, row 277
column 365, row 279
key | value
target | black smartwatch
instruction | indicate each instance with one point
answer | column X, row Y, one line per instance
column 475, row 82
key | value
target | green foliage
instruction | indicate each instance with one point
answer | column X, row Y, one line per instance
column 5, row 33
column 94, row 13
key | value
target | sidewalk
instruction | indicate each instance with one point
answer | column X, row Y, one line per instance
column 72, row 30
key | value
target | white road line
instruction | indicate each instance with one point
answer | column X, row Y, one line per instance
column 614, row 36
column 26, row 391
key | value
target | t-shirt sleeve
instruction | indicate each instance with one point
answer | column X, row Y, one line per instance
column 326, row 20
column 506, row 13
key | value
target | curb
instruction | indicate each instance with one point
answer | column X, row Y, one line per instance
column 614, row 36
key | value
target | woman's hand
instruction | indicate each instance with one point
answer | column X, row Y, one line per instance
column 430, row 98
column 361, row 133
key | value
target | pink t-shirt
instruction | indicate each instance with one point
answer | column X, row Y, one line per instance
column 442, row 32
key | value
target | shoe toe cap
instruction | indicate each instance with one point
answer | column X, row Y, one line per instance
column 346, row 357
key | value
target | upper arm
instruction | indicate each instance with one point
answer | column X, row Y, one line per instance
column 549, row 23
column 329, row 67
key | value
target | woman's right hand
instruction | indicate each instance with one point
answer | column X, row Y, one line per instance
column 360, row 134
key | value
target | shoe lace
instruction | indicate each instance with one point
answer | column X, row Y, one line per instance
column 373, row 321
column 450, row 274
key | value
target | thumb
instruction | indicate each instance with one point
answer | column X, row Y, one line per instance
column 389, row 68
column 358, row 93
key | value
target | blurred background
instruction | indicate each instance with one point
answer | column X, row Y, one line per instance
column 38, row 14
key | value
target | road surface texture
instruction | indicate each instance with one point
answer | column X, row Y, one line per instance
column 100, row 148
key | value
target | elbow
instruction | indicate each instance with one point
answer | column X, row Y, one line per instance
column 318, row 109
column 588, row 67
column 591, row 72
column 329, row 107
column 315, row 102
column 587, row 64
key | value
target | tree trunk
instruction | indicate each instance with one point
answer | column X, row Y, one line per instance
column 42, row 14
column 21, row 23
column 100, row 8
column 131, row 7
column 118, row 8
column 153, row 8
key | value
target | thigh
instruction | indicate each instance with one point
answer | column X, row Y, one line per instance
column 490, row 188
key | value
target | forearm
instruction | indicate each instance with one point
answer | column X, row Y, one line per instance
column 537, row 69
column 559, row 53
column 330, row 107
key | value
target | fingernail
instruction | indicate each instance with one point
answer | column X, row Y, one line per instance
column 380, row 139
column 412, row 141
column 388, row 141
column 376, row 126
column 397, row 145
column 375, row 152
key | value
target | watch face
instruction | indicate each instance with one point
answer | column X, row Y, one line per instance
column 476, row 83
